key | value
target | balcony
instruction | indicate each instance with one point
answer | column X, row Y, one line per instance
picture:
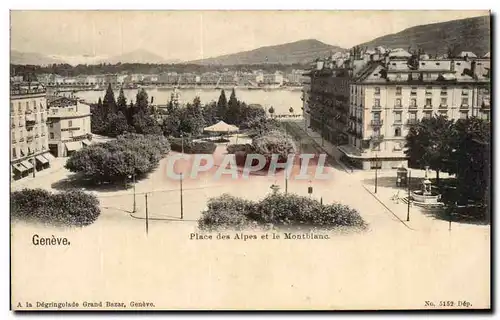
column 376, row 123
column 376, row 107
column 428, row 106
column 398, row 122
column 443, row 106
column 413, row 93
column 464, row 106
column 412, row 106
column 412, row 122
column 377, row 137
column 398, row 106
column 444, row 93
column 14, row 141
column 29, row 139
column 21, row 139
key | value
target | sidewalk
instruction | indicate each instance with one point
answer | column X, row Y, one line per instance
column 55, row 166
column 420, row 218
column 323, row 144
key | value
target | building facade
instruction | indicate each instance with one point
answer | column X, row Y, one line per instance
column 387, row 93
column 68, row 126
column 29, row 135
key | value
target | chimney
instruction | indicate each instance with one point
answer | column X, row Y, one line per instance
column 473, row 69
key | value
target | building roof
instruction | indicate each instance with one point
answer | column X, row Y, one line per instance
column 469, row 54
column 60, row 102
column 399, row 53
column 486, row 55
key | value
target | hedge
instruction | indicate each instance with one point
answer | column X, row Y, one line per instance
column 278, row 211
column 114, row 161
column 192, row 147
column 69, row 208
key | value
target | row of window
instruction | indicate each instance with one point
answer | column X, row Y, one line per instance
column 25, row 151
column 413, row 102
column 30, row 105
column 428, row 90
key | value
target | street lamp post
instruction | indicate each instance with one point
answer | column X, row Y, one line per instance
column 132, row 176
column 182, row 176
column 376, row 172
column 409, row 197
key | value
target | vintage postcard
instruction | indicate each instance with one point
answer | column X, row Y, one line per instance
column 250, row 160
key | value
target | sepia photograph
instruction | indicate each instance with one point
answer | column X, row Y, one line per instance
column 250, row 160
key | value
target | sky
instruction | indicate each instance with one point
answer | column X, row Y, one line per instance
column 190, row 35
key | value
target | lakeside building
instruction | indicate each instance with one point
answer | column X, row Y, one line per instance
column 390, row 92
column 68, row 125
column 29, row 142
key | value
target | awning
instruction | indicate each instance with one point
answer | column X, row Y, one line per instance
column 19, row 167
column 42, row 159
column 86, row 142
column 27, row 164
column 73, row 146
column 49, row 156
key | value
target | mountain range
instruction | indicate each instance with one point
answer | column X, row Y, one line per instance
column 471, row 34
column 299, row 52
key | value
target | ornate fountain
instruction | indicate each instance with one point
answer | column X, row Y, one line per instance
column 426, row 196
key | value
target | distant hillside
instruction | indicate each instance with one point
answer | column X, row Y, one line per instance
column 303, row 51
column 31, row 58
column 137, row 56
column 471, row 34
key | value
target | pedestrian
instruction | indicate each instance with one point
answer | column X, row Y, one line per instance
column 398, row 182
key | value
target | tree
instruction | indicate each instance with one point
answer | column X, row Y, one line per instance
column 290, row 110
column 271, row 111
column 233, row 109
column 470, row 158
column 274, row 142
column 429, row 144
column 98, row 123
column 117, row 124
column 121, row 102
column 109, row 102
column 143, row 123
column 222, row 106
column 193, row 115
column 210, row 113
column 141, row 102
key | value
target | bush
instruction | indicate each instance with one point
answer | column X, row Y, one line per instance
column 115, row 160
column 246, row 147
column 279, row 210
column 192, row 147
column 226, row 212
column 274, row 142
column 70, row 208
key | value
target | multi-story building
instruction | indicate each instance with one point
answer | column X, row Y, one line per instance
column 328, row 103
column 388, row 92
column 296, row 77
column 68, row 126
column 273, row 78
column 29, row 138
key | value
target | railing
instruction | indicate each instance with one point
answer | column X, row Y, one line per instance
column 398, row 106
column 376, row 123
column 21, row 139
column 16, row 92
column 464, row 106
column 397, row 121
column 377, row 137
column 444, row 93
column 412, row 121
column 29, row 139
column 443, row 106
column 428, row 106
column 412, row 106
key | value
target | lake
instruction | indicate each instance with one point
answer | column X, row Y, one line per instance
column 281, row 100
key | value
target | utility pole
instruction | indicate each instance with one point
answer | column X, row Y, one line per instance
column 376, row 172
column 34, row 165
column 182, row 176
column 147, row 216
column 409, row 198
